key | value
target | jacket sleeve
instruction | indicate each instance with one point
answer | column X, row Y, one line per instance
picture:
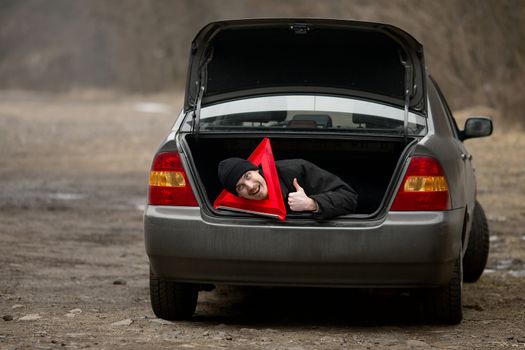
column 334, row 196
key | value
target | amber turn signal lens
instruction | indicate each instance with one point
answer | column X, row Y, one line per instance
column 167, row 179
column 426, row 184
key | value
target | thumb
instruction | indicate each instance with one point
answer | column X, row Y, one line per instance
column 296, row 185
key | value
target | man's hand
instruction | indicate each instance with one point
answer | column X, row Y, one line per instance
column 299, row 201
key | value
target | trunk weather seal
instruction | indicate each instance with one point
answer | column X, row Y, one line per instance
column 201, row 86
column 296, row 135
column 192, row 168
column 408, row 89
column 195, row 125
column 395, row 180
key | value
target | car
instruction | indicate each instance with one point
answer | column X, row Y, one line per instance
column 354, row 98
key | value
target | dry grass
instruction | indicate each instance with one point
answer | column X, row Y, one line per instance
column 500, row 167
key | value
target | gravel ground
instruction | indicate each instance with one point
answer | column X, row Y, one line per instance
column 74, row 273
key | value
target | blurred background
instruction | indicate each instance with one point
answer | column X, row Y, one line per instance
column 474, row 49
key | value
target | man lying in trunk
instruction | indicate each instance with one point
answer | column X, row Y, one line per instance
column 305, row 186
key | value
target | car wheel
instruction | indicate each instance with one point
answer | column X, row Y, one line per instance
column 443, row 305
column 475, row 258
column 172, row 300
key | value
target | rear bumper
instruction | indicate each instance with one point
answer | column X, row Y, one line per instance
column 404, row 249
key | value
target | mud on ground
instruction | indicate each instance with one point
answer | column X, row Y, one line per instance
column 74, row 274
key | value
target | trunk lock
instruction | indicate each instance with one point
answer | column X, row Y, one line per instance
column 300, row 28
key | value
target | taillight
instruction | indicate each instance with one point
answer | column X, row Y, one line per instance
column 168, row 183
column 423, row 188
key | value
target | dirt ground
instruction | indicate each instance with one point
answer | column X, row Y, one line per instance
column 74, row 273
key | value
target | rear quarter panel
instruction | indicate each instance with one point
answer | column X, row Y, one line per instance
column 442, row 144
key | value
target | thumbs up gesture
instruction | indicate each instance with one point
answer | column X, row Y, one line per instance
column 299, row 201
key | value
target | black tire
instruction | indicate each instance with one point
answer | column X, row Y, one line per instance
column 172, row 300
column 443, row 305
column 475, row 258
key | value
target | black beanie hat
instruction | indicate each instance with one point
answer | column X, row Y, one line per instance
column 231, row 170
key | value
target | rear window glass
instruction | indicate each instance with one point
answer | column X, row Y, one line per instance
column 308, row 113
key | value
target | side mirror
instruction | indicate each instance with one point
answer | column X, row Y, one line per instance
column 477, row 127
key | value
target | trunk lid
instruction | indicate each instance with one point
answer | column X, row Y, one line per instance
column 237, row 59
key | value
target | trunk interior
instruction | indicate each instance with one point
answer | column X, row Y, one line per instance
column 366, row 165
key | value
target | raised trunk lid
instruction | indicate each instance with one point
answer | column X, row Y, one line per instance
column 236, row 59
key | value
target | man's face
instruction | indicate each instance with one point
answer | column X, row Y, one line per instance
column 252, row 185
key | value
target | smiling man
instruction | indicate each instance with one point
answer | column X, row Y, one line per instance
column 305, row 186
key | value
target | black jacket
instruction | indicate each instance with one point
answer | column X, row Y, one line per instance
column 333, row 195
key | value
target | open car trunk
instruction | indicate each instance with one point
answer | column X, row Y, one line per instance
column 366, row 165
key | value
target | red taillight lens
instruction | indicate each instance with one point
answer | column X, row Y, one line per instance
column 423, row 188
column 168, row 183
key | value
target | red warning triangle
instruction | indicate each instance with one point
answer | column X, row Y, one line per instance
column 273, row 206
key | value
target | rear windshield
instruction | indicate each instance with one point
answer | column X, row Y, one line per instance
column 308, row 113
